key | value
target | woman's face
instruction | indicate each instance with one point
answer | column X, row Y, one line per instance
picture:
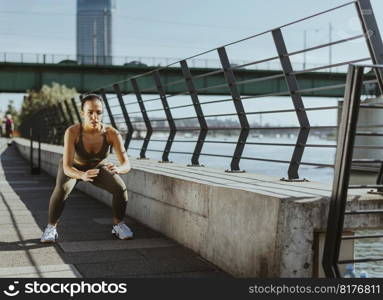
column 92, row 113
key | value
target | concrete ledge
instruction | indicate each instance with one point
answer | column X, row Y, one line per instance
column 249, row 225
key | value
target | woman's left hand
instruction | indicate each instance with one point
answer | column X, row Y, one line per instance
column 112, row 168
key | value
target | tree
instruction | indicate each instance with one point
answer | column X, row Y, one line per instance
column 48, row 95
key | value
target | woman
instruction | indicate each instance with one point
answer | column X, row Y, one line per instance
column 9, row 128
column 86, row 146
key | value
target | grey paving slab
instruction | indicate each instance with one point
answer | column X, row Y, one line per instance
column 116, row 244
column 70, row 236
column 18, row 219
column 23, row 227
column 67, row 236
column 194, row 274
column 165, row 253
column 48, row 271
column 29, row 253
column 12, row 182
column 19, row 212
column 103, row 256
column 12, row 206
column 13, row 172
column 171, row 265
column 23, row 196
column 30, row 188
column 72, row 211
column 103, row 233
column 82, row 227
column 117, row 269
column 107, row 221
column 76, row 218
column 12, row 237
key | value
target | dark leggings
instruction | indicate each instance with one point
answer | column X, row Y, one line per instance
column 105, row 180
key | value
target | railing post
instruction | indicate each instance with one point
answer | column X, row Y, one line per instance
column 31, row 149
column 129, row 125
column 304, row 123
column 148, row 125
column 63, row 115
column 48, row 138
column 245, row 127
column 45, row 126
column 198, row 110
column 102, row 92
column 35, row 170
column 343, row 161
column 112, row 121
column 39, row 152
column 69, row 111
column 169, row 117
column 58, row 124
column 375, row 47
column 52, row 122
column 76, row 110
column 373, row 38
column 63, row 125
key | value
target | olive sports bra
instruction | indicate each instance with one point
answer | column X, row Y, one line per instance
column 85, row 158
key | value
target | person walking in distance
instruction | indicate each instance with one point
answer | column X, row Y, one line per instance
column 9, row 128
column 86, row 146
column 1, row 125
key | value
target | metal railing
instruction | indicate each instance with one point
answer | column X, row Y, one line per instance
column 344, row 162
column 122, row 109
column 34, row 170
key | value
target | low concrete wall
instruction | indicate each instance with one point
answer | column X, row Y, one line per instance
column 247, row 224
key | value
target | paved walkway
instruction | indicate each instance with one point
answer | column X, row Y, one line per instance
column 86, row 247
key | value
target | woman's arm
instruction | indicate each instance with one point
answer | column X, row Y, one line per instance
column 118, row 146
column 69, row 140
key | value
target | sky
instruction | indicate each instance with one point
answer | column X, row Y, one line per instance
column 180, row 29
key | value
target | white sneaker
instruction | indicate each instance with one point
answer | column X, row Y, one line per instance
column 50, row 234
column 122, row 231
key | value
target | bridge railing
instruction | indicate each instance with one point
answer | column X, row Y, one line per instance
column 352, row 128
column 156, row 120
column 137, row 61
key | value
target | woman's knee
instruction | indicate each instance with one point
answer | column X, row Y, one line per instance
column 121, row 191
column 66, row 189
column 61, row 193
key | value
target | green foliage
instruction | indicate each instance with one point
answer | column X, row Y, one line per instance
column 48, row 95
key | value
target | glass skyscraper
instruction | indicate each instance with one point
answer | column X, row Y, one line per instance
column 94, row 31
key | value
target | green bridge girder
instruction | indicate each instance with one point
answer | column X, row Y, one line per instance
column 18, row 77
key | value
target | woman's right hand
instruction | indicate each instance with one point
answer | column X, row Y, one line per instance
column 89, row 174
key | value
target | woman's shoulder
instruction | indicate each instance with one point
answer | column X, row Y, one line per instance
column 110, row 130
column 111, row 133
column 74, row 129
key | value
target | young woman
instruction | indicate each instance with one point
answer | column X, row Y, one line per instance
column 9, row 128
column 86, row 147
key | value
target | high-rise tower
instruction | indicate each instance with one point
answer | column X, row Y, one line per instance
column 94, row 31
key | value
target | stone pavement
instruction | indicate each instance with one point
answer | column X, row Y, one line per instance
column 86, row 247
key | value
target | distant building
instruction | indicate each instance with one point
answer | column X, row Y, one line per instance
column 94, row 31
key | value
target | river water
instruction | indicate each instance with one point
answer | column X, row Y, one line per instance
column 364, row 248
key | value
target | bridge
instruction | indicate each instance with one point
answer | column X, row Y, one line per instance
column 19, row 77
column 246, row 224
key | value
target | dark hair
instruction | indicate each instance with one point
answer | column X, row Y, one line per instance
column 90, row 97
